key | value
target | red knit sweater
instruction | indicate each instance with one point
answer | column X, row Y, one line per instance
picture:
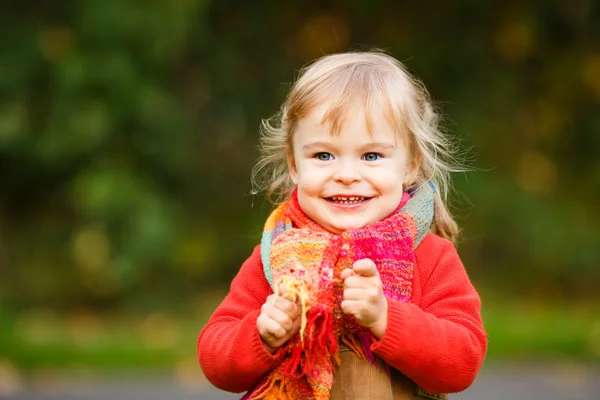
column 437, row 340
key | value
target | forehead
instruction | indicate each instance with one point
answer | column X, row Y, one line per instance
column 355, row 119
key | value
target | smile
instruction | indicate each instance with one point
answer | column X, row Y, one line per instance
column 348, row 200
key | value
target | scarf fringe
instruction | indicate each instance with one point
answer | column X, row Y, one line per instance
column 321, row 341
column 288, row 286
column 366, row 341
column 360, row 344
column 275, row 387
column 278, row 386
column 318, row 344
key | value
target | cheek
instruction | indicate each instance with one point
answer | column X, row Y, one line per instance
column 388, row 181
column 310, row 179
column 309, row 186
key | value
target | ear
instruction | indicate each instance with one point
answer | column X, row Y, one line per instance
column 412, row 172
column 292, row 167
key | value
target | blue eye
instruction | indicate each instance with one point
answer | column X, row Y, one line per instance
column 324, row 156
column 372, row 156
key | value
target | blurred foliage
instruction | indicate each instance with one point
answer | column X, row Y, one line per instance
column 128, row 130
column 35, row 341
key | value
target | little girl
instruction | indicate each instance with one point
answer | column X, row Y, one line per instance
column 356, row 290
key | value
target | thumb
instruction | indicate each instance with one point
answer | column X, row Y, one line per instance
column 346, row 274
column 365, row 267
column 287, row 293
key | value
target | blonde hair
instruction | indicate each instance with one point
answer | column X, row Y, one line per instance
column 376, row 79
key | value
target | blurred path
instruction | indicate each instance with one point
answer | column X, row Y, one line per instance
column 565, row 382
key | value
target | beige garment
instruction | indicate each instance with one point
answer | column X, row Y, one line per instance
column 356, row 379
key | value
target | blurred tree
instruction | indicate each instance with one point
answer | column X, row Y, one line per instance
column 128, row 131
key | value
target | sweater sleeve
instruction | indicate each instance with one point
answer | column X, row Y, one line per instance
column 230, row 350
column 440, row 343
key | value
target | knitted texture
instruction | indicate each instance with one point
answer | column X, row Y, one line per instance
column 306, row 260
column 437, row 340
column 421, row 208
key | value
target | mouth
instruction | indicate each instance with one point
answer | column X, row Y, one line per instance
column 348, row 200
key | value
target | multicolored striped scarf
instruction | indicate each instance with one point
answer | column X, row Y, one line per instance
column 305, row 259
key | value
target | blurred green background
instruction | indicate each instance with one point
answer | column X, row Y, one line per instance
column 128, row 131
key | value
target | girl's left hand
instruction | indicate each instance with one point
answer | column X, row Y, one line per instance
column 363, row 296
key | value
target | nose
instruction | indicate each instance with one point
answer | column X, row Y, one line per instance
column 347, row 172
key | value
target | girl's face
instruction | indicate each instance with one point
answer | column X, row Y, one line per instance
column 350, row 180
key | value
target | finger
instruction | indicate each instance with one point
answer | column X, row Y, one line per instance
column 356, row 281
column 297, row 324
column 286, row 294
column 365, row 267
column 353, row 294
column 295, row 327
column 348, row 272
column 271, row 299
column 290, row 308
column 351, row 307
column 280, row 303
column 280, row 317
column 269, row 329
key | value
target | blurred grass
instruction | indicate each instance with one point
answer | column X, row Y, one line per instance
column 153, row 341
column 42, row 340
column 542, row 331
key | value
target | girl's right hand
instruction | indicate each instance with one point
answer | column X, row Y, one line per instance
column 278, row 322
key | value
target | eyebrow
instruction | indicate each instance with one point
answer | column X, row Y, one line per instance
column 374, row 145
column 379, row 145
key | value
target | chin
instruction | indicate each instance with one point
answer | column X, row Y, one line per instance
column 348, row 227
